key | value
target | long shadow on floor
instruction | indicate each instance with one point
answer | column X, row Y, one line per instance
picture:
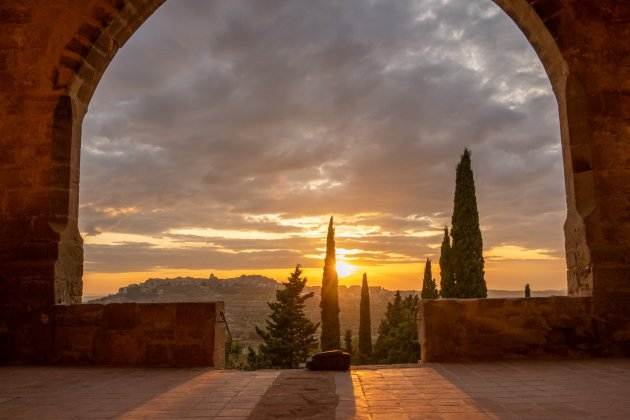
column 90, row 392
column 298, row 394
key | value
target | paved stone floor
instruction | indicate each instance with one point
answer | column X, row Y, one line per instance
column 532, row 390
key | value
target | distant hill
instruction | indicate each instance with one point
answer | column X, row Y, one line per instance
column 246, row 299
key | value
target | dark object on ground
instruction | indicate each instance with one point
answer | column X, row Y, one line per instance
column 329, row 360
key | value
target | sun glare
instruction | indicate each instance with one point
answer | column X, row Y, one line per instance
column 344, row 269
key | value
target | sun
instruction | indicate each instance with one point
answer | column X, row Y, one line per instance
column 344, row 269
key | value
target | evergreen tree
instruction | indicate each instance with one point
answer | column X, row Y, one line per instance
column 447, row 280
column 347, row 342
column 429, row 289
column 330, row 334
column 528, row 291
column 253, row 361
column 289, row 336
column 365, row 322
column 397, row 340
column 467, row 247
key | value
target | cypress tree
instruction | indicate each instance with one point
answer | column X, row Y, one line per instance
column 429, row 288
column 347, row 342
column 528, row 291
column 289, row 335
column 447, row 280
column 331, row 334
column 365, row 321
column 467, row 247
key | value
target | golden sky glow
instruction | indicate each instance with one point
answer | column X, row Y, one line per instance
column 510, row 275
column 508, row 267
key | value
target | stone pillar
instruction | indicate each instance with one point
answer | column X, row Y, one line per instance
column 576, row 151
column 37, row 189
column 52, row 55
column 64, row 211
column 29, row 245
column 595, row 43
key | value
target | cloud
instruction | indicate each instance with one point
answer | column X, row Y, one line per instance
column 237, row 116
column 512, row 252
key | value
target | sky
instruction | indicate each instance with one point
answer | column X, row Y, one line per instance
column 225, row 133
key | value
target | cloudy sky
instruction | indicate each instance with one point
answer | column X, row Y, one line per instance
column 225, row 132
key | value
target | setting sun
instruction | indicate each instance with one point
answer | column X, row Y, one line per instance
column 344, row 269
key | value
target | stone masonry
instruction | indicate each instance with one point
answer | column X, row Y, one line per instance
column 53, row 54
column 530, row 328
column 149, row 334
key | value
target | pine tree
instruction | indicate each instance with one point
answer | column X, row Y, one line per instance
column 467, row 247
column 397, row 340
column 289, row 336
column 365, row 322
column 447, row 280
column 429, row 288
column 347, row 342
column 528, row 291
column 331, row 334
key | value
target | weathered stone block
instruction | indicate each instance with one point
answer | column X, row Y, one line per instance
column 157, row 316
column 188, row 314
column 493, row 329
column 191, row 355
column 87, row 315
column 139, row 334
column 158, row 355
column 118, row 348
column 121, row 316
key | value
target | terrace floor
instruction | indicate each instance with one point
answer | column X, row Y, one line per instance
column 598, row 389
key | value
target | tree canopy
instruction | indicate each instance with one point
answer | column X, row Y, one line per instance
column 397, row 340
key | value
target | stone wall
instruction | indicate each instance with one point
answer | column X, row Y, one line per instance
column 151, row 334
column 456, row 330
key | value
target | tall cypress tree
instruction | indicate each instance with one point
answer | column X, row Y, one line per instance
column 467, row 247
column 365, row 321
column 289, row 336
column 429, row 288
column 447, row 280
column 331, row 333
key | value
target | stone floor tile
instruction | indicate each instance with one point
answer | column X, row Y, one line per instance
column 234, row 412
column 536, row 390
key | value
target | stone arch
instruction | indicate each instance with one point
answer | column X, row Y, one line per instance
column 88, row 54
column 52, row 56
column 83, row 61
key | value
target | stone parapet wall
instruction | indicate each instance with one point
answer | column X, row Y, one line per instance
column 457, row 330
column 133, row 334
